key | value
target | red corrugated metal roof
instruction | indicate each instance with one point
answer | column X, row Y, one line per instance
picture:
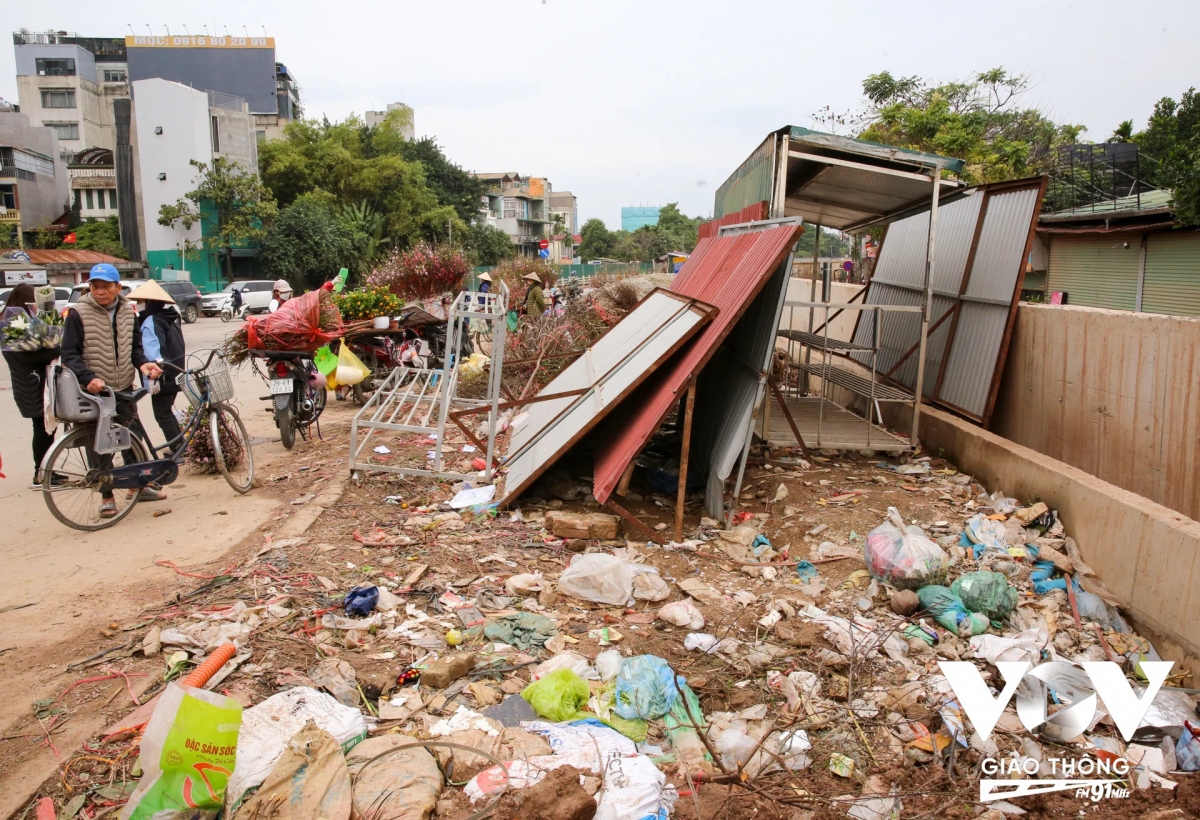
column 726, row 272
column 60, row 256
column 751, row 213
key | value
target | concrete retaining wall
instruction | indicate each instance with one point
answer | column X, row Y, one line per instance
column 1114, row 393
column 1145, row 553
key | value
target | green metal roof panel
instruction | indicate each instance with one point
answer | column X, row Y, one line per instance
column 1154, row 200
column 874, row 150
column 1094, row 271
column 1172, row 283
column 750, row 183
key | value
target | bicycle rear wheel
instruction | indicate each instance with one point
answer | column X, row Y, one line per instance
column 231, row 446
column 71, row 484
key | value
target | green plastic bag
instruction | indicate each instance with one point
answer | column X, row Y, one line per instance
column 513, row 319
column 949, row 611
column 986, row 592
column 326, row 360
column 559, row 696
column 187, row 753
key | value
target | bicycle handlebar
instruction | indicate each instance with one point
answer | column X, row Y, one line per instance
column 165, row 364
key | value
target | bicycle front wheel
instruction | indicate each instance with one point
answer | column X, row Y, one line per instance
column 231, row 446
column 71, row 482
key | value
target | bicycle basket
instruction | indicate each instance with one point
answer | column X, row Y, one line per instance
column 217, row 377
column 71, row 403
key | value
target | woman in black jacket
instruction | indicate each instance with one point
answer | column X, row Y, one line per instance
column 161, row 334
column 28, row 371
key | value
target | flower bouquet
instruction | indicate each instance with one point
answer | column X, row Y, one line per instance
column 21, row 332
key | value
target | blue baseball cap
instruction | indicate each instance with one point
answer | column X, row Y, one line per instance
column 104, row 272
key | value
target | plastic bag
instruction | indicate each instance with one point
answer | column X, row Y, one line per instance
column 325, row 360
column 646, row 688
column 949, row 611
column 187, row 754
column 350, row 369
column 559, row 696
column 267, row 728
column 903, row 556
column 608, row 664
column 683, row 613
column 682, row 723
column 473, row 367
column 1187, row 750
column 296, row 325
column 986, row 592
column 598, row 577
column 361, row 601
column 635, row 788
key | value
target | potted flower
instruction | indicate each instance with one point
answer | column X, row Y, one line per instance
column 377, row 304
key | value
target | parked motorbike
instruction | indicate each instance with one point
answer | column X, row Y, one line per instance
column 297, row 391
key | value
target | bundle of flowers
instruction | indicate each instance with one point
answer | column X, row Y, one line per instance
column 422, row 272
column 303, row 323
column 200, row 454
column 21, row 332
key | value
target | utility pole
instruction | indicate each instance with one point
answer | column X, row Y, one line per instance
column 449, row 231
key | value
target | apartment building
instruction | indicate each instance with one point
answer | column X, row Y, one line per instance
column 407, row 129
column 519, row 206
column 33, row 177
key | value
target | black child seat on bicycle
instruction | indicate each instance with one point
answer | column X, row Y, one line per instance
column 130, row 395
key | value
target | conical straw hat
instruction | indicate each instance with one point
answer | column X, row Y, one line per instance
column 151, row 291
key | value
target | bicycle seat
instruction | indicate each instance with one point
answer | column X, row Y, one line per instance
column 130, row 395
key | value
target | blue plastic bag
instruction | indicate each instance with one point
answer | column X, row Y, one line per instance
column 361, row 601
column 645, row 688
column 807, row 571
column 1187, row 750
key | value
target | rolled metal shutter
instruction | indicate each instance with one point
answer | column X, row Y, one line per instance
column 1095, row 271
column 1172, row 283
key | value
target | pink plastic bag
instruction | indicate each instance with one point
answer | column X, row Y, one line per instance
column 903, row 556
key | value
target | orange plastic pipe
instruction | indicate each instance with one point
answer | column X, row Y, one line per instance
column 204, row 672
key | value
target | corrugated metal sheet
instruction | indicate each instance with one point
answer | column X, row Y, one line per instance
column 727, row 272
column 873, row 150
column 1172, row 283
column 750, row 183
column 999, row 262
column 995, row 219
column 731, row 386
column 751, row 213
column 1095, row 271
column 613, row 366
column 61, row 256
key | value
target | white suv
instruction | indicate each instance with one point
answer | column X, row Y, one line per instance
column 256, row 295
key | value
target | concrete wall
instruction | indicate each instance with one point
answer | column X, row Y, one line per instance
column 43, row 198
column 1146, row 554
column 236, row 133
column 1114, row 393
column 27, row 57
column 183, row 115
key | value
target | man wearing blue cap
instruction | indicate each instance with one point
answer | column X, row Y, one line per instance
column 101, row 349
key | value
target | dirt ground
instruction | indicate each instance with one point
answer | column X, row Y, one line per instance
column 834, row 499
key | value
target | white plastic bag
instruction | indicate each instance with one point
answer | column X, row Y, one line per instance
column 702, row 641
column 634, row 788
column 683, row 613
column 608, row 664
column 904, row 556
column 597, row 577
column 267, row 728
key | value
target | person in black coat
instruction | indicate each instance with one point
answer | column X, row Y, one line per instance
column 28, row 371
column 160, row 331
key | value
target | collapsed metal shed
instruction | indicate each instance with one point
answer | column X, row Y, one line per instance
column 743, row 272
column 983, row 243
column 583, row 393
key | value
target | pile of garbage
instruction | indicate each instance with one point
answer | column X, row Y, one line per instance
column 537, row 663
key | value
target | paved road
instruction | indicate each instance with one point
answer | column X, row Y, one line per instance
column 68, row 572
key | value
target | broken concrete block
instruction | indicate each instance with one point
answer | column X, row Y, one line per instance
column 442, row 672
column 567, row 524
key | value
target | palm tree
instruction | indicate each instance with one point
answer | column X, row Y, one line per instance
column 366, row 230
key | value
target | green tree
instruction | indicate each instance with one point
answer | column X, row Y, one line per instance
column 357, row 164
column 451, row 184
column 980, row 121
column 1123, row 132
column 102, row 235
column 307, row 242
column 598, row 241
column 490, row 246
column 365, row 227
column 230, row 203
column 1172, row 141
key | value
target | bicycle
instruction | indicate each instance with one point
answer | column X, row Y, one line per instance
column 78, row 472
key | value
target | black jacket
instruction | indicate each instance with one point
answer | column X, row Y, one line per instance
column 28, row 369
column 169, row 330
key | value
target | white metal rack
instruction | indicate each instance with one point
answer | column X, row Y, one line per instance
column 421, row 400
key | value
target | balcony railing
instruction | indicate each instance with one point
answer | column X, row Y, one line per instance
column 11, row 215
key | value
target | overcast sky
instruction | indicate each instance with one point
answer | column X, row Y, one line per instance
column 643, row 102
